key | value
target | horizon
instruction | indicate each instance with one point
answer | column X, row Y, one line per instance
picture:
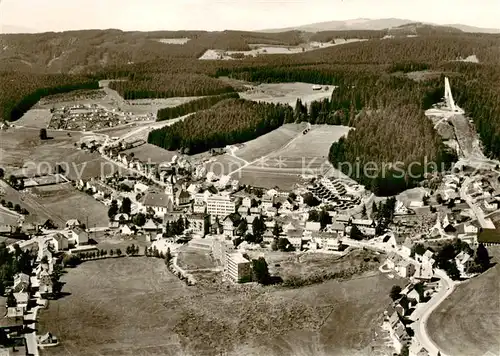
column 245, row 15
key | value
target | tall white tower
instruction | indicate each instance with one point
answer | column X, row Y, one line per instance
column 448, row 97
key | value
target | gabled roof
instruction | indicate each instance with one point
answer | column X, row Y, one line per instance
column 156, row 199
column 150, row 224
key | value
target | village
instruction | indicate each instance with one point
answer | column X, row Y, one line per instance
column 432, row 237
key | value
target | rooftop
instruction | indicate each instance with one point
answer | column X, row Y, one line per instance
column 237, row 257
column 157, row 199
column 489, row 236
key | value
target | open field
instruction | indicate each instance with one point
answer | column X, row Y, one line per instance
column 149, row 152
column 301, row 155
column 223, row 164
column 286, row 93
column 22, row 151
column 134, row 306
column 269, row 142
column 191, row 258
column 65, row 202
column 467, row 322
column 37, row 118
column 153, row 105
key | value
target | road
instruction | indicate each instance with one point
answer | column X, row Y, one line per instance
column 447, row 286
column 485, row 224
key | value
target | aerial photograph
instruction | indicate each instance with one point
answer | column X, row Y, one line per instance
column 250, row 177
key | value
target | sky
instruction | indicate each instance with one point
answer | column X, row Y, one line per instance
column 145, row 15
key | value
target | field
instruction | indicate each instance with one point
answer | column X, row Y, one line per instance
column 153, row 105
column 152, row 153
column 134, row 306
column 269, row 142
column 467, row 322
column 302, row 155
column 63, row 202
column 190, row 258
column 37, row 118
column 286, row 93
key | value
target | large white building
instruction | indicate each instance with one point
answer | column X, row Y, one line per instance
column 237, row 268
column 220, row 205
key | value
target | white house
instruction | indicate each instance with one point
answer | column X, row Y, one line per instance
column 267, row 202
column 159, row 203
column 21, row 282
column 406, row 247
column 59, row 242
column 140, row 187
column 246, row 202
column 80, row 236
column 405, row 269
column 72, row 223
column 464, row 261
column 126, row 230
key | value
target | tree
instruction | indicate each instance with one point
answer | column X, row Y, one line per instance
column 2, row 173
column 324, row 218
column 168, row 256
column 126, row 206
column 363, row 211
column 277, row 229
column 261, row 271
column 405, row 351
column 242, row 227
column 425, row 200
column 310, row 200
column 118, row 252
column 11, row 300
column 139, row 219
column 482, row 257
column 452, row 270
column 111, row 252
column 10, row 205
column 439, row 199
column 43, row 134
column 17, row 207
column 113, row 209
column 258, row 228
column 356, row 233
column 395, row 292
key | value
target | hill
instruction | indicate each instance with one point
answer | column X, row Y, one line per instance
column 373, row 24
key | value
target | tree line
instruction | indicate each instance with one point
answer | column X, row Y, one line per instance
column 160, row 85
column 229, row 122
column 192, row 106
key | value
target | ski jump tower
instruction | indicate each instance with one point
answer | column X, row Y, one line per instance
column 448, row 97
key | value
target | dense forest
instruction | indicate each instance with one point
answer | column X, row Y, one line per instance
column 192, row 106
column 161, row 85
column 228, row 122
column 20, row 91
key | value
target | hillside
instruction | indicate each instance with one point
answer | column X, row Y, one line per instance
column 373, row 25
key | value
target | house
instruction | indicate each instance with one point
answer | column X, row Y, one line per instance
column 405, row 268
column 406, row 247
column 246, row 202
column 22, row 299
column 72, row 223
column 393, row 259
column 268, row 236
column 223, row 182
column 7, row 230
column 424, row 272
column 243, row 210
column 470, row 229
column 327, row 241
column 159, row 203
column 401, row 334
column 464, row 261
column 140, row 187
column 337, row 228
column 21, row 283
column 59, row 242
column 79, row 236
column 182, row 197
column 229, row 225
column 199, row 223
column 127, row 229
column 151, row 226
column 216, row 228
column 271, row 212
column 250, row 219
column 313, row 226
column 267, row 202
column 122, row 218
column 295, row 238
column 255, row 211
column 343, row 219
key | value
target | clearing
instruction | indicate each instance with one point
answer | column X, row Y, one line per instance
column 303, row 155
column 287, row 93
column 467, row 322
column 134, row 306
column 36, row 118
column 190, row 258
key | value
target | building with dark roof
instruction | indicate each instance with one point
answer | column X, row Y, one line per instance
column 489, row 237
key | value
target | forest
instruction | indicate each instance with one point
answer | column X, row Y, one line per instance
column 192, row 106
column 228, row 122
column 161, row 85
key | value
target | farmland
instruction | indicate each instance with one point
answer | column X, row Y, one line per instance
column 284, row 166
column 116, row 307
column 286, row 93
column 462, row 325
